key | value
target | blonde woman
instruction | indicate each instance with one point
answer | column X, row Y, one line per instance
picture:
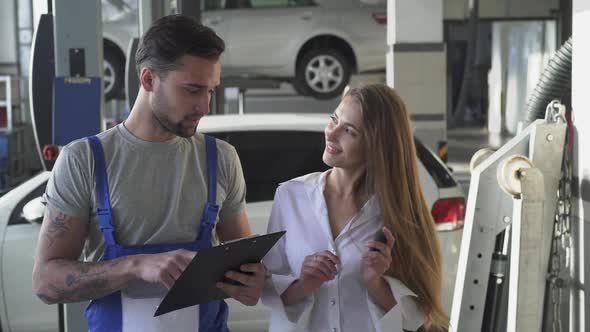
column 328, row 273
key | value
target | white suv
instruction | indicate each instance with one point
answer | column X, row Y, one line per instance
column 273, row 148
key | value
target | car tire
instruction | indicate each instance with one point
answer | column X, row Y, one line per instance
column 299, row 87
column 322, row 73
column 113, row 74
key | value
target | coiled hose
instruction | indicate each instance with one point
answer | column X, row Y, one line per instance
column 554, row 83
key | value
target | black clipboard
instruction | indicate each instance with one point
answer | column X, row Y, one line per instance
column 196, row 284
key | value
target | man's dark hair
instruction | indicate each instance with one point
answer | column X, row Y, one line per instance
column 173, row 36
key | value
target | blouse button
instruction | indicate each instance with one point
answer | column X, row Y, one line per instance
column 334, row 329
column 333, row 302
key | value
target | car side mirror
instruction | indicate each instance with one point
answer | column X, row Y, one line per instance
column 34, row 210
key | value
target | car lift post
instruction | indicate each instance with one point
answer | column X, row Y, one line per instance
column 77, row 93
column 528, row 167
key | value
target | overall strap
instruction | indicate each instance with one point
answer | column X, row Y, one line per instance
column 103, row 209
column 211, row 148
column 211, row 209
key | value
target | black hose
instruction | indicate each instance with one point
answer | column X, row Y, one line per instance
column 554, row 83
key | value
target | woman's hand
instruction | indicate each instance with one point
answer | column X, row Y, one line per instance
column 375, row 262
column 317, row 269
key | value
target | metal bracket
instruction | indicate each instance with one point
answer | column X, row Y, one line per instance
column 489, row 212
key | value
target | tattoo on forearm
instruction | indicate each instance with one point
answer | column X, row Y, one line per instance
column 72, row 280
column 59, row 225
column 93, row 289
column 83, row 282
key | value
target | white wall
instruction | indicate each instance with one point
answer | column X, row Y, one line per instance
column 8, row 32
column 581, row 113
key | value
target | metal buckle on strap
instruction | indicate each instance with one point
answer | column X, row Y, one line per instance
column 103, row 219
column 212, row 209
column 208, row 221
column 102, row 212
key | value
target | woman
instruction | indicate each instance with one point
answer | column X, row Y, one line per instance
column 328, row 273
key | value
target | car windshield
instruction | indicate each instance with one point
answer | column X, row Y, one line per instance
column 271, row 157
column 439, row 173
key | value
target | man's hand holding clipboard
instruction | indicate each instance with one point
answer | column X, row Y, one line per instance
column 244, row 286
column 217, row 272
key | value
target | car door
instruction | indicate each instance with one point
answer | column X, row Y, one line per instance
column 21, row 310
column 269, row 158
column 267, row 33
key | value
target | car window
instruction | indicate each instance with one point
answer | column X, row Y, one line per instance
column 271, row 157
column 439, row 173
column 16, row 217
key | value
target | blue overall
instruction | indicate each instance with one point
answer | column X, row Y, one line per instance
column 105, row 314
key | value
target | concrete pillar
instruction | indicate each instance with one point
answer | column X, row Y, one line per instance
column 416, row 64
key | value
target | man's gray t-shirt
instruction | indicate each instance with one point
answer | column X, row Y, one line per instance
column 158, row 190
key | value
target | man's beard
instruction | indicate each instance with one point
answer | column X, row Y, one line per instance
column 161, row 111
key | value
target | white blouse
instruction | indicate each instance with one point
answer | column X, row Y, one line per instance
column 339, row 305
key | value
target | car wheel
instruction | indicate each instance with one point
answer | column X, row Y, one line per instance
column 113, row 74
column 322, row 73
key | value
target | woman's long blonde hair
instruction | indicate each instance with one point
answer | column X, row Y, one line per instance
column 392, row 175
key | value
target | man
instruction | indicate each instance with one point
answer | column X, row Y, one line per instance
column 135, row 200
